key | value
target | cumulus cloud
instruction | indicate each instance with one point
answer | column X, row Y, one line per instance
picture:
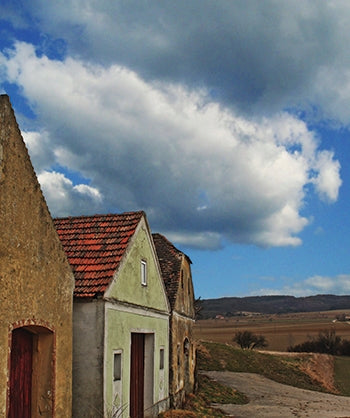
column 327, row 182
column 337, row 285
column 41, row 153
column 65, row 198
column 202, row 172
column 260, row 56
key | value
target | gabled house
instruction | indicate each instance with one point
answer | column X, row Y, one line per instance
column 121, row 316
column 177, row 276
column 36, row 297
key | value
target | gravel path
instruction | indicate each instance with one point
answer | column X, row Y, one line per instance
column 270, row 399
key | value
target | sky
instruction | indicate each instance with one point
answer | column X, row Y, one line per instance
column 227, row 122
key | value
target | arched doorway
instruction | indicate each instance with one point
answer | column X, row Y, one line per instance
column 31, row 372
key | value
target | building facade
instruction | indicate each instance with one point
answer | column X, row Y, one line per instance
column 121, row 317
column 177, row 276
column 36, row 290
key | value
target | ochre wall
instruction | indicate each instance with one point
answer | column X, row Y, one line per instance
column 35, row 278
column 183, row 362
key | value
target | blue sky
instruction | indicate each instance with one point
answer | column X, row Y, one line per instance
column 226, row 122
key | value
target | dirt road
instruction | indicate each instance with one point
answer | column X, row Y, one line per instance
column 274, row 400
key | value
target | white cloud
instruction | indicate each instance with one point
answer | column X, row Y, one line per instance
column 38, row 144
column 328, row 181
column 337, row 285
column 64, row 197
column 169, row 150
column 292, row 56
column 200, row 240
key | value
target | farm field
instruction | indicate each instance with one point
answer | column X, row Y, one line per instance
column 280, row 330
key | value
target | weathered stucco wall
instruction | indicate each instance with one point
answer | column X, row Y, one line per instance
column 184, row 303
column 127, row 286
column 183, row 359
column 120, row 322
column 138, row 308
column 182, row 350
column 88, row 341
column 35, row 278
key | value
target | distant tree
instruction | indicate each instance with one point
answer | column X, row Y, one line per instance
column 327, row 342
column 249, row 340
column 345, row 348
column 341, row 317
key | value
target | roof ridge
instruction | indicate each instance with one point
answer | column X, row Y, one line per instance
column 169, row 243
column 96, row 215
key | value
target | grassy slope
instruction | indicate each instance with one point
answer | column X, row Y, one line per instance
column 341, row 374
column 282, row 369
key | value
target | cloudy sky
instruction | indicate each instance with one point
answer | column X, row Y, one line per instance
column 227, row 122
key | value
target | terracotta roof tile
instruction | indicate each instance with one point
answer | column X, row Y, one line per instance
column 95, row 246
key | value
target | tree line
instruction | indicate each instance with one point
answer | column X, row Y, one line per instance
column 327, row 342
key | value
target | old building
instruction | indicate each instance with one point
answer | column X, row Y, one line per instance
column 176, row 271
column 36, row 290
column 121, row 317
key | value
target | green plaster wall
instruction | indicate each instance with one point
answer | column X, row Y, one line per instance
column 127, row 287
column 134, row 307
column 119, row 326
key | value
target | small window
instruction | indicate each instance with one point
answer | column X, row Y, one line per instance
column 117, row 367
column 143, row 273
column 161, row 359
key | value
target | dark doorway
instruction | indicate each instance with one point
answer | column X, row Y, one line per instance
column 21, row 374
column 32, row 371
column 137, row 374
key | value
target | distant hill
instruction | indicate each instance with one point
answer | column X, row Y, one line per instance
column 230, row 306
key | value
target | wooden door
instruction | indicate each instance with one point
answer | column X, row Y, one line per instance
column 137, row 374
column 21, row 374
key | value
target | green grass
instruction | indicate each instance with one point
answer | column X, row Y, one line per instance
column 341, row 374
column 210, row 391
column 282, row 369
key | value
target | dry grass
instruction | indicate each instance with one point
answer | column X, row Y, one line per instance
column 208, row 392
column 285, row 369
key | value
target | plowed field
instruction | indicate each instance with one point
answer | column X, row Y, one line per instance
column 281, row 331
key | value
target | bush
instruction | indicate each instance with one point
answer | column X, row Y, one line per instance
column 246, row 339
column 327, row 342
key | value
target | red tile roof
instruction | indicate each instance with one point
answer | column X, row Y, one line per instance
column 170, row 260
column 95, row 246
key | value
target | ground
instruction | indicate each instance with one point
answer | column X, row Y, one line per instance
column 270, row 399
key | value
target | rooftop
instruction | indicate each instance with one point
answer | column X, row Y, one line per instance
column 95, row 245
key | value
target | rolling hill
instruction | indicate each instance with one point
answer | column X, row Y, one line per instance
column 230, row 306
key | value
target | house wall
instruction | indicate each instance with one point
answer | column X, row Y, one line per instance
column 183, row 359
column 35, row 278
column 182, row 350
column 128, row 288
column 133, row 307
column 121, row 321
column 88, row 340
column 184, row 303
